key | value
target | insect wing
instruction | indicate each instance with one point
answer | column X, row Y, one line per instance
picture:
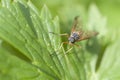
column 87, row 35
column 76, row 25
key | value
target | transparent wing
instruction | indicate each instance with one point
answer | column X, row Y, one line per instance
column 87, row 35
column 76, row 25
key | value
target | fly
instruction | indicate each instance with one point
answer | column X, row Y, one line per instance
column 77, row 35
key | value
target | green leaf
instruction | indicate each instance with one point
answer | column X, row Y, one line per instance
column 28, row 51
column 26, row 32
column 96, row 21
column 15, row 69
column 109, row 68
column 105, row 65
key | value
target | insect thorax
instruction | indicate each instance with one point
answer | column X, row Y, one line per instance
column 74, row 37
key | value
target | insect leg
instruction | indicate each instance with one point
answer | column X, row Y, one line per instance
column 72, row 48
column 63, row 43
column 77, row 45
column 60, row 47
column 68, row 49
column 65, row 34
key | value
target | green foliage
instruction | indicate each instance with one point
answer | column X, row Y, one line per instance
column 29, row 52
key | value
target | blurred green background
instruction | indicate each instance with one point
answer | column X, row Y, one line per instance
column 68, row 9
column 100, row 60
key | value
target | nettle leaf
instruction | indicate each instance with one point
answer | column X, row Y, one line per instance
column 104, row 65
column 25, row 32
column 29, row 51
column 109, row 68
column 15, row 69
column 96, row 21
